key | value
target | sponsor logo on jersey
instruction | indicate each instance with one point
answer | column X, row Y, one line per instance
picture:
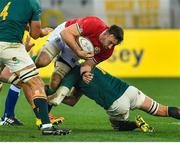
column 97, row 50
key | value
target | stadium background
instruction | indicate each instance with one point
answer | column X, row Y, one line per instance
column 151, row 44
column 149, row 58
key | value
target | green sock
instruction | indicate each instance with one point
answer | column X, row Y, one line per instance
column 42, row 105
column 50, row 91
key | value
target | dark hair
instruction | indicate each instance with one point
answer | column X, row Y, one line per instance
column 117, row 32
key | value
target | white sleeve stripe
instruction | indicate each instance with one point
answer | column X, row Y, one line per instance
column 78, row 28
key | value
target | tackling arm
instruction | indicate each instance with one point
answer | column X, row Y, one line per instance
column 73, row 98
column 36, row 31
column 85, row 70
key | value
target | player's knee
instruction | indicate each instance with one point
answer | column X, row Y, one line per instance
column 61, row 69
column 27, row 74
column 13, row 79
column 37, row 88
column 42, row 60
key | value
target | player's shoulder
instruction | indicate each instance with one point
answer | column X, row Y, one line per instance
column 93, row 19
column 34, row 3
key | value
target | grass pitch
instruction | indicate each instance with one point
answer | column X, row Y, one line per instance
column 89, row 121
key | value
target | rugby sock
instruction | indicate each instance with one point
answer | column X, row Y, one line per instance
column 11, row 101
column 49, row 108
column 36, row 112
column 42, row 106
column 49, row 91
column 123, row 125
column 174, row 112
column 127, row 125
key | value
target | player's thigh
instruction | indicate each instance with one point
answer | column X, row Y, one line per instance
column 5, row 74
column 61, row 68
column 119, row 110
column 47, row 54
column 136, row 97
column 69, row 56
column 15, row 57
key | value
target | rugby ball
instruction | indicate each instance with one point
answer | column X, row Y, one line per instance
column 85, row 44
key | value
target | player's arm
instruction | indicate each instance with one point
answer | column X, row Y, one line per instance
column 85, row 70
column 28, row 44
column 73, row 98
column 35, row 30
column 69, row 35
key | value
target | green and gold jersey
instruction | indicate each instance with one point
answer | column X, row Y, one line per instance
column 104, row 89
column 14, row 16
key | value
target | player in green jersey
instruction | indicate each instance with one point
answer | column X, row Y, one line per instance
column 115, row 96
column 15, row 17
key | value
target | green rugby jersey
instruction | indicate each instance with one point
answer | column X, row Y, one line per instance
column 14, row 16
column 104, row 89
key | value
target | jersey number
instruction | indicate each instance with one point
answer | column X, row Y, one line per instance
column 4, row 12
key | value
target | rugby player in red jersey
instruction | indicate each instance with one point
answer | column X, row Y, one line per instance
column 62, row 42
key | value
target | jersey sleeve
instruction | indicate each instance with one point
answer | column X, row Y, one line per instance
column 36, row 10
column 103, row 56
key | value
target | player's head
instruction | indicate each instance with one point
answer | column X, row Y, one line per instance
column 112, row 37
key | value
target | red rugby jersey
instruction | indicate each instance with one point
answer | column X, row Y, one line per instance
column 91, row 27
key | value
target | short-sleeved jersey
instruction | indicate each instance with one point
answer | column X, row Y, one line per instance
column 104, row 89
column 14, row 16
column 91, row 27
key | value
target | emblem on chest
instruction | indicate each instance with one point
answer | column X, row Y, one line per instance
column 97, row 50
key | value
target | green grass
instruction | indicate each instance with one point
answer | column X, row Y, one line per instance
column 89, row 122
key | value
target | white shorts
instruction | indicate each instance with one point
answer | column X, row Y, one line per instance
column 61, row 69
column 131, row 99
column 14, row 56
column 55, row 46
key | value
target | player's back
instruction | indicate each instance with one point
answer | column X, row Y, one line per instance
column 14, row 16
column 103, row 88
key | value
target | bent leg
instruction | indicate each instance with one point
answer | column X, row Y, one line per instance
column 119, row 113
column 47, row 54
column 61, row 69
column 152, row 107
column 11, row 101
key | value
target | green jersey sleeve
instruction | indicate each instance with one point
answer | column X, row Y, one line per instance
column 36, row 10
